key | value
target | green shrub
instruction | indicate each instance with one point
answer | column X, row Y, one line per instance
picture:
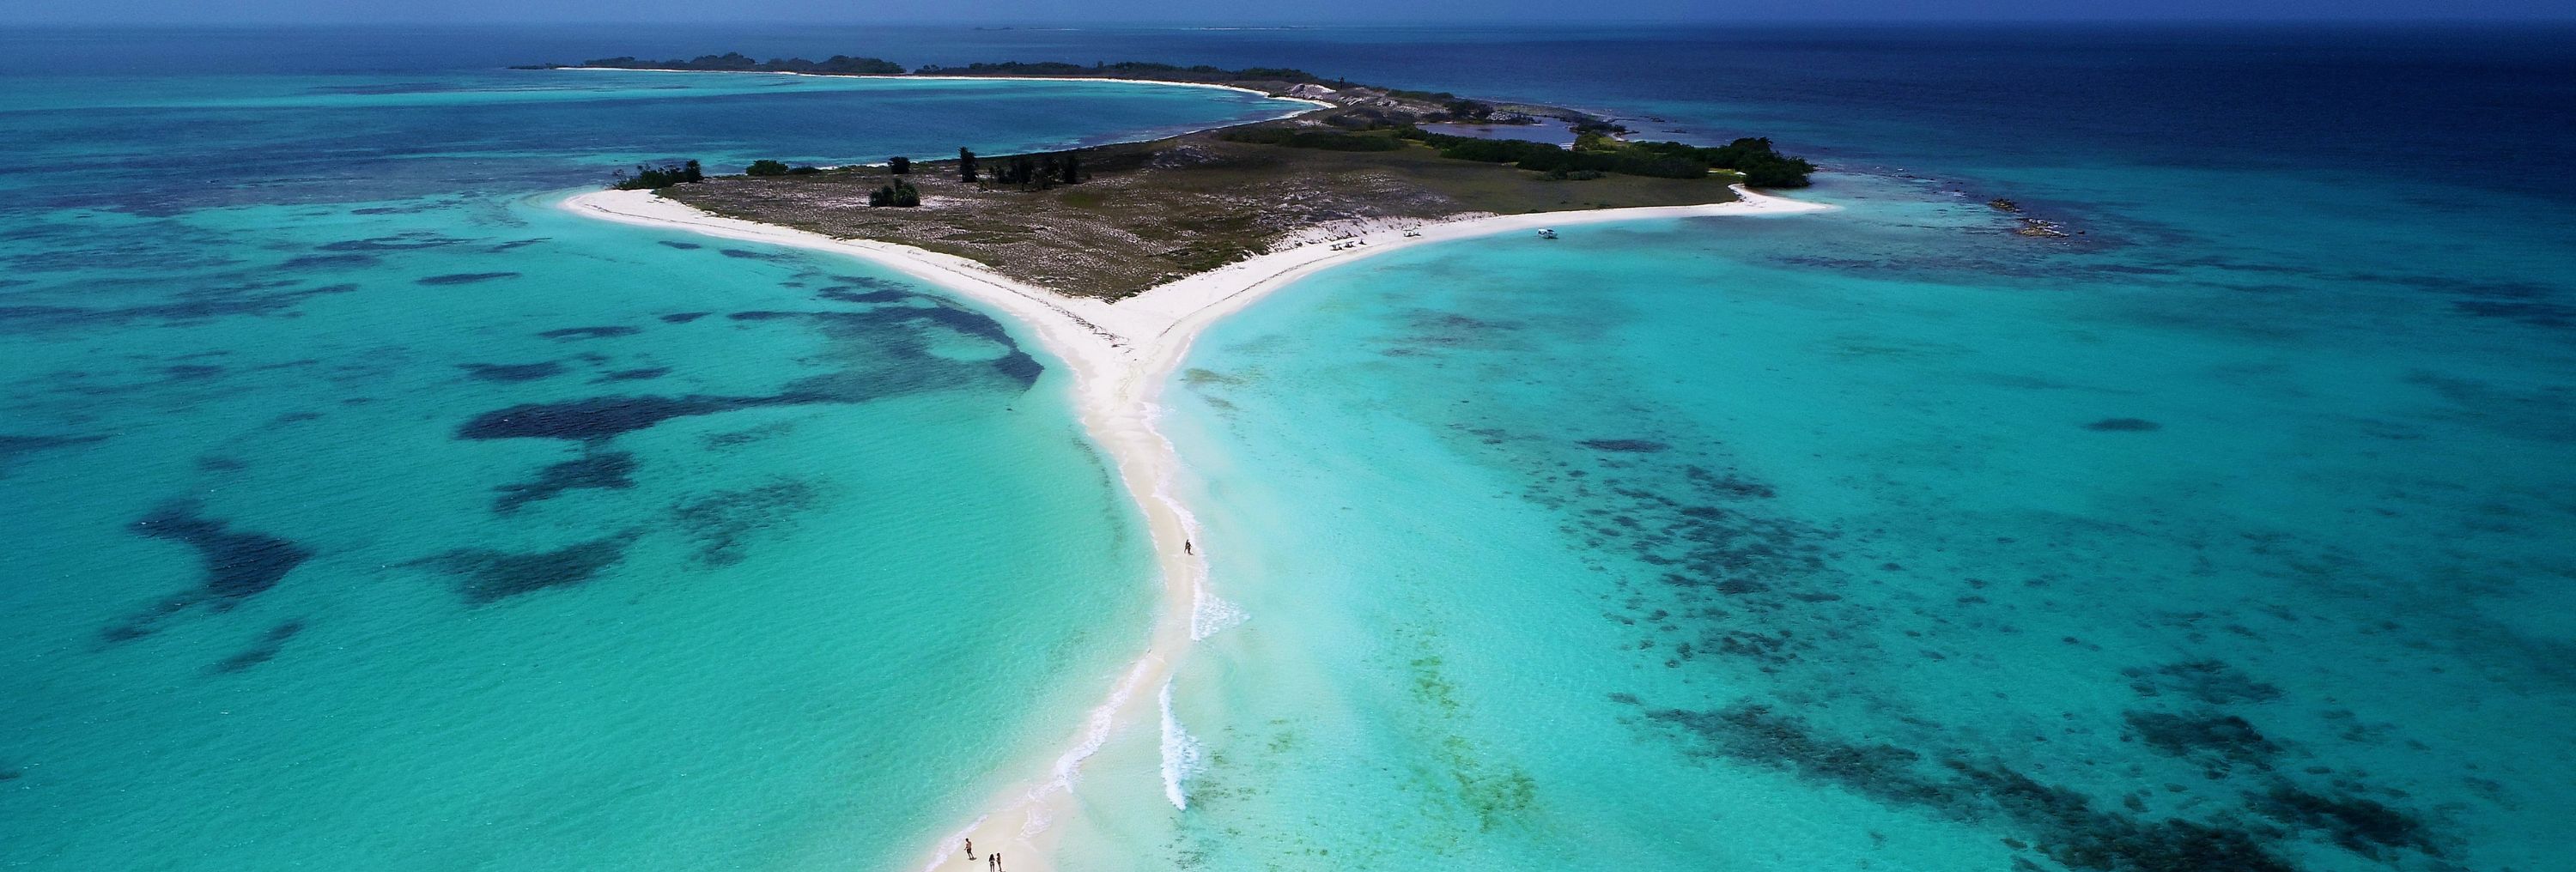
column 901, row 193
column 647, row 178
column 1771, row 170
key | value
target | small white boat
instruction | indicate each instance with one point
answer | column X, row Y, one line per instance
column 1547, row 234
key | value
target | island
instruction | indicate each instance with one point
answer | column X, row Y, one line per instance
column 1111, row 221
column 1116, row 257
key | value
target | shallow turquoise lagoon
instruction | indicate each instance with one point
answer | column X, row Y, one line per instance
column 1884, row 539
column 371, row 512
column 374, row 515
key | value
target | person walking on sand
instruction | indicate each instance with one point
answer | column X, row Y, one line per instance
column 1185, row 547
column 970, row 847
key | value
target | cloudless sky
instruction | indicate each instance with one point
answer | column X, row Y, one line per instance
column 1489, row 12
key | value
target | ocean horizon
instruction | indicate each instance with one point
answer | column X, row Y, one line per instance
column 2158, row 458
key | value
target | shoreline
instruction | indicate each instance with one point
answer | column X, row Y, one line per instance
column 1121, row 355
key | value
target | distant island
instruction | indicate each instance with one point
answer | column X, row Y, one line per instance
column 730, row 62
column 1274, row 81
column 1112, row 221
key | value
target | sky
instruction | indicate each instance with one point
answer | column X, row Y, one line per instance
column 1249, row 11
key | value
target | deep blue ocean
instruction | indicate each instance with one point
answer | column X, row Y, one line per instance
column 373, row 514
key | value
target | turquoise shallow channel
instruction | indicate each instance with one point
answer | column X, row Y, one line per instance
column 1656, row 544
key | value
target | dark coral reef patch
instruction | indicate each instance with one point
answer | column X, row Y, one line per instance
column 599, row 418
column 464, row 278
column 590, row 332
column 1719, row 581
column 13, row 446
column 2064, row 824
column 485, row 576
column 848, row 295
column 2216, row 741
column 1635, row 446
column 264, row 649
column 723, row 522
column 601, row 470
column 237, row 564
column 234, row 565
column 883, row 352
column 398, row 242
column 254, row 298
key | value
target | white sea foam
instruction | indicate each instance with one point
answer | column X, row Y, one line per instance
column 1183, row 756
column 1210, row 615
column 1096, row 729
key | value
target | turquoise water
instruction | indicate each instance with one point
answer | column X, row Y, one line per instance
column 373, row 513
column 1884, row 539
column 379, row 516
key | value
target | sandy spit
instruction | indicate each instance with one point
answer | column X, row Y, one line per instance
column 1121, row 355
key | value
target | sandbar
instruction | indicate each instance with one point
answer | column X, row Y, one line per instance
column 1121, row 355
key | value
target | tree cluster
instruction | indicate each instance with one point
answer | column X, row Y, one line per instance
column 1041, row 171
column 1596, row 153
column 1761, row 165
column 1551, row 159
column 646, row 177
column 776, row 168
column 898, row 193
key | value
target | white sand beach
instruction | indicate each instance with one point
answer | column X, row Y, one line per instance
column 1121, row 355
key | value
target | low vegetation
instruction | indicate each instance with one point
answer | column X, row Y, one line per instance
column 1594, row 155
column 898, row 193
column 646, row 177
column 1112, row 221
